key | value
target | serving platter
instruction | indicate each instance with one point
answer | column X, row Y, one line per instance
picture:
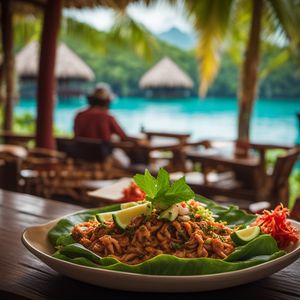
column 36, row 241
column 112, row 192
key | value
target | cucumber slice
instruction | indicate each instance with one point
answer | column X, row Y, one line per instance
column 169, row 214
column 243, row 236
column 122, row 218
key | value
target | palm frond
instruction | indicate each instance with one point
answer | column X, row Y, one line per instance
column 275, row 63
column 126, row 32
column 238, row 31
column 91, row 37
column 287, row 19
column 26, row 28
column 210, row 18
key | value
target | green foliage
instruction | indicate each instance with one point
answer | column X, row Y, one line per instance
column 122, row 68
column 219, row 24
column 26, row 29
column 114, row 60
column 271, row 157
column 24, row 123
column 294, row 182
column 160, row 192
column 128, row 33
column 211, row 19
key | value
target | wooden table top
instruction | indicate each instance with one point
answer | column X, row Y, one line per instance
column 215, row 157
column 23, row 276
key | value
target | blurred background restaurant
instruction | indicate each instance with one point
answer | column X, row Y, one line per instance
column 212, row 87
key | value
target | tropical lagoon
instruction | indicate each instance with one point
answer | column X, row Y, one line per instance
column 274, row 120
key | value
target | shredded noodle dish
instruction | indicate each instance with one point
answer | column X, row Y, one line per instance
column 193, row 234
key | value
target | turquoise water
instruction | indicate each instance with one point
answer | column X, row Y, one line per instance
column 274, row 121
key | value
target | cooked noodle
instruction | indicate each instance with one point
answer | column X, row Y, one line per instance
column 147, row 237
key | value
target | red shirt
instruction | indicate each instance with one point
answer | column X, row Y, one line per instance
column 97, row 123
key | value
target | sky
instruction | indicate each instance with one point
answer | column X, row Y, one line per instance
column 157, row 18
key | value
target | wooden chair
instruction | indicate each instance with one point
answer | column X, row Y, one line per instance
column 161, row 149
column 275, row 188
column 12, row 156
column 89, row 161
column 84, row 149
column 38, row 162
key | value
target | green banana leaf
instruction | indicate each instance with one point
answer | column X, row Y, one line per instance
column 262, row 249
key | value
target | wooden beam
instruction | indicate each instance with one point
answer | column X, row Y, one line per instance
column 46, row 77
column 8, row 62
column 38, row 3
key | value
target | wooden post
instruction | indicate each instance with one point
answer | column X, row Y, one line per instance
column 298, row 137
column 46, row 77
column 8, row 62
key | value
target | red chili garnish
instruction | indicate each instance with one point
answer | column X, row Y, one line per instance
column 133, row 193
column 275, row 223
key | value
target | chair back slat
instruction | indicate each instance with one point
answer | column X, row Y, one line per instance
column 284, row 167
column 85, row 149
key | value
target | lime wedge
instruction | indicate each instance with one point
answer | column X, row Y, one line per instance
column 103, row 217
column 107, row 216
column 122, row 218
column 243, row 236
column 131, row 204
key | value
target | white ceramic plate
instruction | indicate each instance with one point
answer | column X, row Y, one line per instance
column 112, row 192
column 36, row 241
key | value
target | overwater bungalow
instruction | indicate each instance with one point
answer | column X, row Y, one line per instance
column 71, row 72
column 166, row 80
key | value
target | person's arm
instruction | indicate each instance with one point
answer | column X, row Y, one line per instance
column 116, row 128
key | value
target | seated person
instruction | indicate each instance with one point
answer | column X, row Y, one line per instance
column 96, row 122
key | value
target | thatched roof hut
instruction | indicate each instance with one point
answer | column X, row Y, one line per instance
column 166, row 79
column 32, row 5
column 68, row 64
column 71, row 72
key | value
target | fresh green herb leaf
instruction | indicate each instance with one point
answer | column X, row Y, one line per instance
column 147, row 183
column 163, row 181
column 160, row 192
column 178, row 192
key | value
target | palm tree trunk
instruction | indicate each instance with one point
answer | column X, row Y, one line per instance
column 249, row 79
column 8, row 63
